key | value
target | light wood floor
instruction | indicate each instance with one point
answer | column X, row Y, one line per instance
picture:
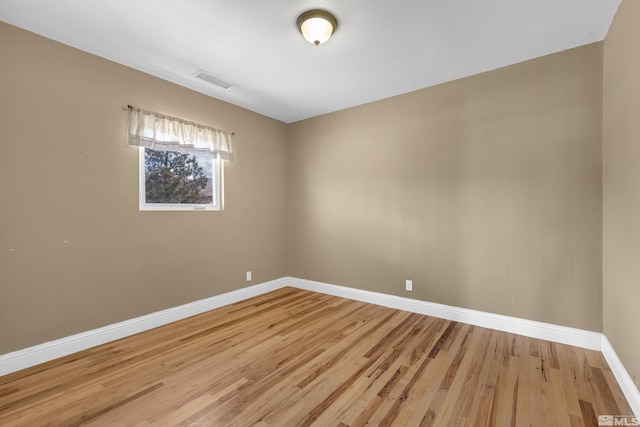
column 298, row 358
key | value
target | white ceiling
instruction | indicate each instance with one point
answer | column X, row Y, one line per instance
column 382, row 48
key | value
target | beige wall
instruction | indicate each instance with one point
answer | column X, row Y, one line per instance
column 75, row 252
column 485, row 191
column 621, row 243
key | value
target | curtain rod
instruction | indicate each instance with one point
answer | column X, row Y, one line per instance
column 131, row 108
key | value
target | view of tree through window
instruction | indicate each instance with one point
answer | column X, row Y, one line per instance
column 173, row 177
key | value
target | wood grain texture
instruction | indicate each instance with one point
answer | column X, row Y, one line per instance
column 298, row 358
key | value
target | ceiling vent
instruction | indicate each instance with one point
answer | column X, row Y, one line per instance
column 203, row 75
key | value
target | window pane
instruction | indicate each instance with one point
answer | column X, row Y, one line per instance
column 171, row 180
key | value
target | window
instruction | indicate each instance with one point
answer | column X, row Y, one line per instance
column 175, row 181
column 181, row 162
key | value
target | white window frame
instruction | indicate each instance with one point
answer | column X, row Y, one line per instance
column 216, row 176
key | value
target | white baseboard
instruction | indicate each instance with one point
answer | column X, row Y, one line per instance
column 622, row 376
column 21, row 359
column 529, row 328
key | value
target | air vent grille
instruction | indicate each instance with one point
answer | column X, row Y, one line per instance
column 203, row 75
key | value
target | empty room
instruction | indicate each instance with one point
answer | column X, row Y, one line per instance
column 328, row 213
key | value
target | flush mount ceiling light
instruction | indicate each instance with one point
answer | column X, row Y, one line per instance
column 317, row 26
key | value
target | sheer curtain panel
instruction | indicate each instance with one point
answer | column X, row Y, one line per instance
column 154, row 130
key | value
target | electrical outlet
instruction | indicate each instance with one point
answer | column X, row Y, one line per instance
column 409, row 285
column 248, row 276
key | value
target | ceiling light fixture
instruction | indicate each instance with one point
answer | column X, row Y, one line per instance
column 317, row 26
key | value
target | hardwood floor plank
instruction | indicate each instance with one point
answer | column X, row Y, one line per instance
column 588, row 415
column 298, row 358
column 556, row 395
column 569, row 385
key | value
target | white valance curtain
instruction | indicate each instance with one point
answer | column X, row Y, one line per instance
column 154, row 130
